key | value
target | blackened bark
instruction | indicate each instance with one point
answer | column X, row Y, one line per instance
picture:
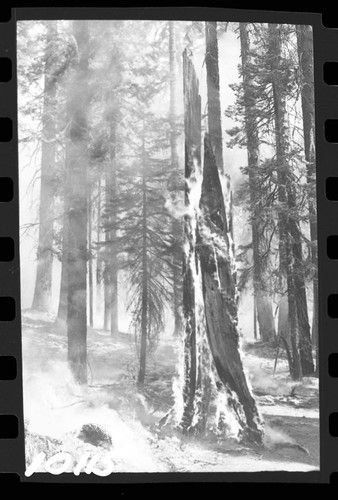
column 263, row 304
column 220, row 297
column 213, row 90
column 77, row 211
column 43, row 282
column 192, row 126
column 305, row 54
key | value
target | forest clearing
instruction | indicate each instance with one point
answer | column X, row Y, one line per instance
column 168, row 246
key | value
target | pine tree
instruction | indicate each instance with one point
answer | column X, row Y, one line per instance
column 261, row 300
column 281, row 196
column 290, row 236
column 145, row 237
column 142, row 224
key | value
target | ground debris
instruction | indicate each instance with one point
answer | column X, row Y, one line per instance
column 37, row 443
column 95, row 435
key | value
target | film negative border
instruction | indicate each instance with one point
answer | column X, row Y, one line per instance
column 327, row 129
column 326, row 95
column 11, row 412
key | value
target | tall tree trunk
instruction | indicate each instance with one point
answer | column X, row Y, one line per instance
column 283, row 318
column 77, row 213
column 175, row 175
column 220, row 297
column 98, row 232
column 90, row 262
column 213, row 93
column 219, row 305
column 254, row 317
column 305, row 54
column 264, row 308
column 106, row 270
column 114, row 328
column 305, row 344
column 144, row 318
column 43, row 282
column 265, row 318
column 218, row 267
column 61, row 316
column 192, row 126
column 282, row 146
column 62, row 309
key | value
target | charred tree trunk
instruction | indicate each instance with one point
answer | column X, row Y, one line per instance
column 201, row 261
column 174, row 184
column 218, row 267
column 192, row 126
column 220, row 297
column 263, row 304
column 43, row 282
column 77, row 211
column 305, row 54
column 213, row 91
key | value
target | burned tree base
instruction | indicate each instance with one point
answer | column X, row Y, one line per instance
column 220, row 300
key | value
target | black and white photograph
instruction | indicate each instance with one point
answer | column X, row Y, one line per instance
column 168, row 246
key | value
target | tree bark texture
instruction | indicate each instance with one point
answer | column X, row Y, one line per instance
column 305, row 54
column 62, row 309
column 213, row 92
column 220, row 298
column 77, row 211
column 114, row 329
column 196, row 383
column 289, row 232
column 90, row 265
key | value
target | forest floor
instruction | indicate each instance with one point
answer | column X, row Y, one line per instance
column 60, row 416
